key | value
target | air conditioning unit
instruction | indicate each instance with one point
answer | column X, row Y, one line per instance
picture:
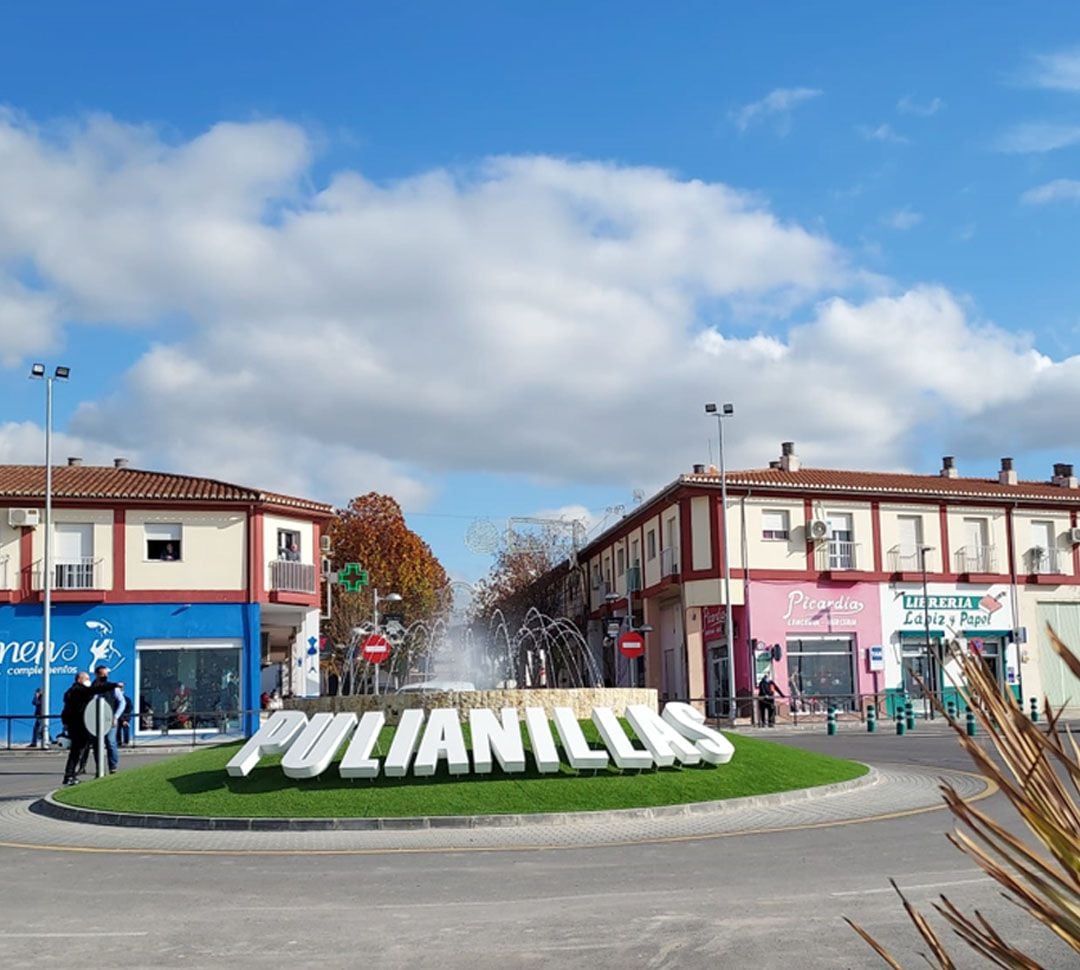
column 1074, row 536
column 24, row 517
column 818, row 529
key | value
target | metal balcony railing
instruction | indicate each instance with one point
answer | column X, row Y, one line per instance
column 669, row 561
column 976, row 559
column 838, row 554
column 83, row 572
column 633, row 579
column 1045, row 562
column 293, row 577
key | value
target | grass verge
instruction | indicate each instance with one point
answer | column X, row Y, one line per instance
column 196, row 784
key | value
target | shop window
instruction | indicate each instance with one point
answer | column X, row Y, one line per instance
column 187, row 688
column 821, row 672
column 164, row 541
column 775, row 524
column 288, row 543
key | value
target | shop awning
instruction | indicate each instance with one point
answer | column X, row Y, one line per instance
column 920, row 634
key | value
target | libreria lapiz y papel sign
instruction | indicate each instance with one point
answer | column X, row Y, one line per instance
column 679, row 734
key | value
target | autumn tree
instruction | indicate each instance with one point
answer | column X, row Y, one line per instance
column 522, row 576
column 371, row 531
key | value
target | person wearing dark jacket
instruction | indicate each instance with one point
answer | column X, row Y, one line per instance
column 76, row 699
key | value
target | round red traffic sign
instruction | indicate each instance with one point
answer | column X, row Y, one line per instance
column 376, row 648
column 632, row 644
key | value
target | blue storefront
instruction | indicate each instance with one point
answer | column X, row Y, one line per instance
column 186, row 666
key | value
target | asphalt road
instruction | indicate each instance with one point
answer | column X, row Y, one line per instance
column 744, row 901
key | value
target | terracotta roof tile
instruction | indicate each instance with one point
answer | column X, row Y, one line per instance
column 27, row 482
column 894, row 484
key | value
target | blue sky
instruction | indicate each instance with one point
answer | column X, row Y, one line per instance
column 560, row 230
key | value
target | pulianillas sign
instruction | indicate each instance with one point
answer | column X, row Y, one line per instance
column 308, row 747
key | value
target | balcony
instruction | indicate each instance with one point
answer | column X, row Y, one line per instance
column 633, row 579
column 977, row 561
column 71, row 578
column 293, row 577
column 1045, row 565
column 669, row 561
column 838, row 556
column 904, row 561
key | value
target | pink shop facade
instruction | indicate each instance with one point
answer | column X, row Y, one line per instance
column 817, row 639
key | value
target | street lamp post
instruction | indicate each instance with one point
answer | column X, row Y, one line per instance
column 726, row 411
column 930, row 672
column 388, row 598
column 37, row 372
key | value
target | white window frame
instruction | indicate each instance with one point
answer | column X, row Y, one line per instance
column 650, row 544
column 163, row 527
column 776, row 535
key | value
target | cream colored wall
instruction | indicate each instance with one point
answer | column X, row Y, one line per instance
column 931, row 532
column 996, row 532
column 651, row 566
column 700, row 533
column 1022, row 520
column 9, row 550
column 771, row 553
column 271, row 524
column 213, row 547
column 102, row 521
column 710, row 592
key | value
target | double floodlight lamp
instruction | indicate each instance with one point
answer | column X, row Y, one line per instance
column 37, row 372
column 726, row 410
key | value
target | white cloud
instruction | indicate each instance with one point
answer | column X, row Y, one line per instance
column 528, row 316
column 1059, row 190
column 902, row 219
column 1058, row 71
column 1038, row 136
column 29, row 321
column 909, row 106
column 883, row 133
column 776, row 106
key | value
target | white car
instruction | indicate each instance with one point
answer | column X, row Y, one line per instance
column 437, row 686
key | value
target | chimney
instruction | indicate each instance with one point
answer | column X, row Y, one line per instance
column 774, row 464
column 948, row 467
column 1007, row 475
column 789, row 461
column 1064, row 476
column 74, row 462
column 699, row 469
column 120, row 463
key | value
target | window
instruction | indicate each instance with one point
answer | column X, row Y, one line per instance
column 774, row 524
column 1043, row 557
column 620, row 562
column 288, row 544
column 840, row 527
column 650, row 544
column 596, row 575
column 73, row 551
column 183, row 686
column 820, row 669
column 163, row 541
column 911, row 535
column 635, row 553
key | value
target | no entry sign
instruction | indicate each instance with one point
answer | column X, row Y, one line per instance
column 376, row 648
column 632, row 644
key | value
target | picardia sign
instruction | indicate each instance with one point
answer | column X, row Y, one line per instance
column 679, row 734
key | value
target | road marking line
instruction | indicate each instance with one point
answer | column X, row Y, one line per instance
column 924, row 885
column 64, row 936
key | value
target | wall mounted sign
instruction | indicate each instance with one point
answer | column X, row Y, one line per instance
column 679, row 734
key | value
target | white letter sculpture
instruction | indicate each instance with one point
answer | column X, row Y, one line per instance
column 544, row 752
column 503, row 738
column 357, row 761
column 311, row 753
column 663, row 741
column 273, row 737
column 443, row 738
column 577, row 749
column 622, row 751
column 404, row 743
column 690, row 723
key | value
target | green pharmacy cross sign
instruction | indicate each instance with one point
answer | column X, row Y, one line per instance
column 352, row 585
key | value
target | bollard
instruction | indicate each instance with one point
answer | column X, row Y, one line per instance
column 909, row 715
column 899, row 721
column 871, row 719
column 1034, row 710
column 970, row 718
column 830, row 722
column 950, row 710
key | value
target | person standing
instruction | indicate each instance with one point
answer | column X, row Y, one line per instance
column 39, row 720
column 76, row 699
column 123, row 717
column 768, row 691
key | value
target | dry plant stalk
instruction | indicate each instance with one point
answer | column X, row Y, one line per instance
column 1041, row 778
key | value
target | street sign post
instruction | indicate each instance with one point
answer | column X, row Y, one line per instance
column 631, row 644
column 98, row 718
column 375, row 648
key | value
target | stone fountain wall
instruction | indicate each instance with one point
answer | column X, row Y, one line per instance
column 580, row 700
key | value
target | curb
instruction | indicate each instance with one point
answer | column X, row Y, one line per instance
column 51, row 808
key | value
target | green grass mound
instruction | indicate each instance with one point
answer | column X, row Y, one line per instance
column 197, row 784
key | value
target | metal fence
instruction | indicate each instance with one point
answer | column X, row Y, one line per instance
column 145, row 731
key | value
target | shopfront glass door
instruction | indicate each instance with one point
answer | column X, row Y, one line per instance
column 820, row 673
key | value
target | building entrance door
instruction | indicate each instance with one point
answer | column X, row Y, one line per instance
column 719, row 702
